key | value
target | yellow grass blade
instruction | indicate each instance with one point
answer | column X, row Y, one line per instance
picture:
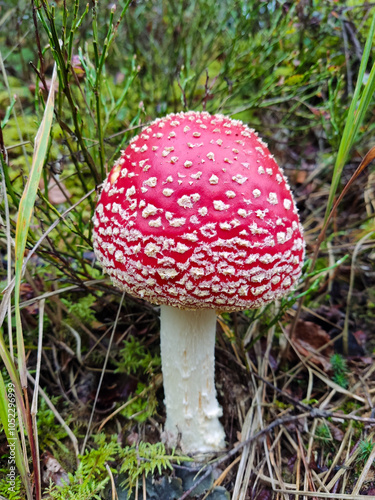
column 26, row 208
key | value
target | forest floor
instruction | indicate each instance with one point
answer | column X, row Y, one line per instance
column 296, row 380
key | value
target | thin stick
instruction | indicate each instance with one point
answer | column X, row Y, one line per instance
column 336, row 459
column 34, row 404
column 348, row 462
column 315, row 413
column 157, row 383
column 113, row 485
column 59, row 291
column 102, row 375
column 224, row 474
column 9, row 256
column 6, row 82
column 144, row 489
column 57, row 415
column 245, row 433
column 330, row 496
column 308, row 482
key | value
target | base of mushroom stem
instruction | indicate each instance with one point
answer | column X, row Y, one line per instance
column 200, row 454
column 188, row 363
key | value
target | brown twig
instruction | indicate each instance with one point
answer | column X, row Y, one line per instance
column 38, row 44
column 206, row 91
column 183, row 93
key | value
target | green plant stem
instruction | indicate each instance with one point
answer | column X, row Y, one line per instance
column 75, row 25
column 65, row 87
column 5, row 174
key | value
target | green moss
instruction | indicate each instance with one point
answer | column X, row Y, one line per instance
column 135, row 358
column 340, row 370
column 323, row 434
column 9, row 490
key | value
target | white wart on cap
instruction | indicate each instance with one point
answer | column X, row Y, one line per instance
column 197, row 214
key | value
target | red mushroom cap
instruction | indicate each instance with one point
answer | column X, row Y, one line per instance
column 197, row 214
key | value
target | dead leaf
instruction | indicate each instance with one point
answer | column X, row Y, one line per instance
column 77, row 67
column 301, row 176
column 336, row 432
column 291, row 463
column 132, row 438
column 308, row 339
column 317, row 468
column 57, row 192
column 367, row 360
column 41, row 87
column 27, row 293
column 53, row 471
column 361, row 338
column 370, row 477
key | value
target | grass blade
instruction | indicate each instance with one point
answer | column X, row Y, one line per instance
column 356, row 113
column 25, row 212
column 26, row 208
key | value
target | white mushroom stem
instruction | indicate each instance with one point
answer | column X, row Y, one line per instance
column 188, row 356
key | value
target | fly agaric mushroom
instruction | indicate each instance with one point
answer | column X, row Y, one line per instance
column 197, row 216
